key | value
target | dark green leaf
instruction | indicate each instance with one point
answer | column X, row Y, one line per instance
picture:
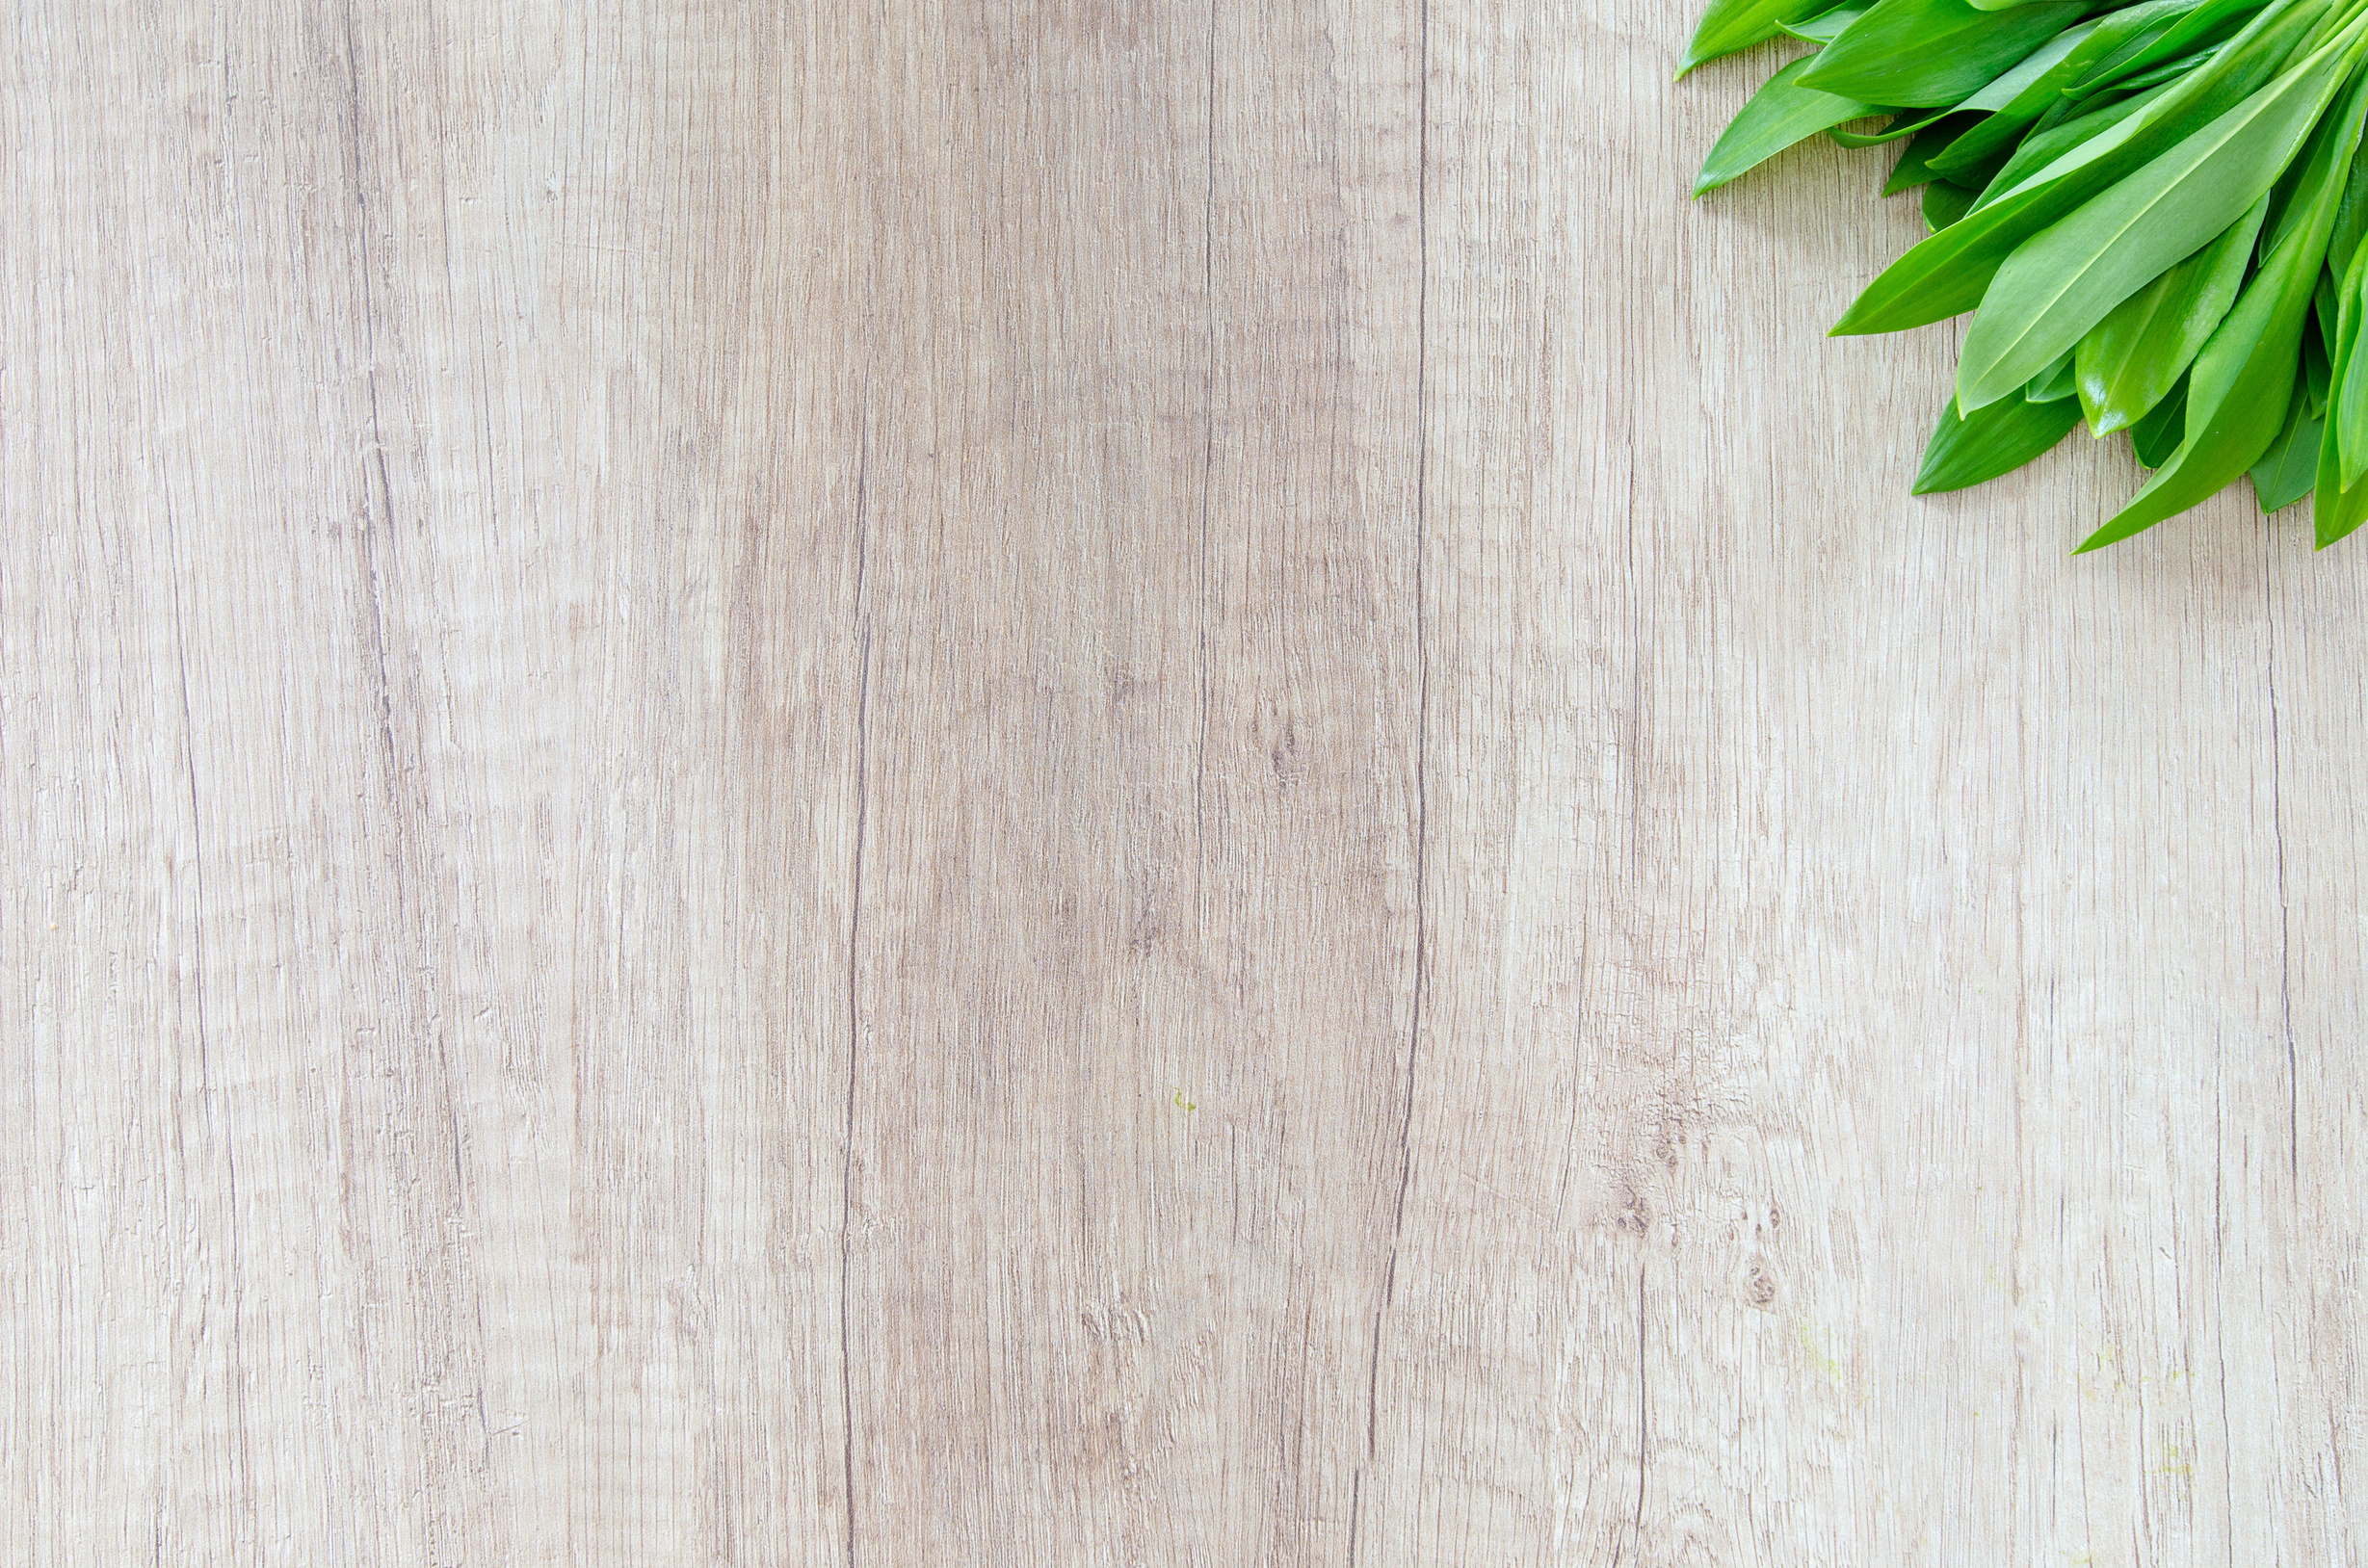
column 2156, row 437
column 2336, row 512
column 2129, row 361
column 2017, row 99
column 2286, row 472
column 1996, row 439
column 2048, row 142
column 1935, row 51
column 2318, row 375
column 1944, row 205
column 1780, row 114
column 2168, row 71
column 1915, row 167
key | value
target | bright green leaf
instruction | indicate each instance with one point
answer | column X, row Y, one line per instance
column 2129, row 361
column 1933, row 52
column 1780, row 114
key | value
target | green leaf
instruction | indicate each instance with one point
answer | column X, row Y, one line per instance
column 2018, row 98
column 2156, row 437
column 1915, row 167
column 2318, row 375
column 2287, row 470
column 2063, row 281
column 2350, row 390
column 1922, row 52
column 2048, row 142
column 1825, row 29
column 1731, row 26
column 1950, row 272
column 2351, row 220
column 2034, row 93
column 1780, row 114
column 2244, row 381
column 2167, row 71
column 1944, row 205
column 1999, row 439
column 1906, row 122
column 2199, row 27
column 2053, row 382
column 2129, row 361
column 2336, row 512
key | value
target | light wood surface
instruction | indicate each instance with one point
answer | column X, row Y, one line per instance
column 1101, row 783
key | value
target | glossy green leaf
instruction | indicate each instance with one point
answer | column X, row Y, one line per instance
column 2156, row 437
column 1934, row 52
column 2287, row 470
column 2129, row 361
column 2065, row 279
column 1731, row 26
column 2244, row 381
column 1948, row 273
column 1782, row 113
column 1999, row 439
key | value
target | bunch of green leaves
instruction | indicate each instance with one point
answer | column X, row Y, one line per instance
column 2155, row 206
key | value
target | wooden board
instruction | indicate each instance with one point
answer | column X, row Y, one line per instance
column 1102, row 784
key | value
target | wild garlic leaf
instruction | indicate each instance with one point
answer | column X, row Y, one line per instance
column 1934, row 52
column 1778, row 114
column 2053, row 382
column 2154, row 438
column 2287, row 470
column 1996, row 440
column 2129, row 361
column 1944, row 205
column 1731, row 26
column 2349, row 391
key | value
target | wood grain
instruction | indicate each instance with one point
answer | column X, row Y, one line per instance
column 1095, row 783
